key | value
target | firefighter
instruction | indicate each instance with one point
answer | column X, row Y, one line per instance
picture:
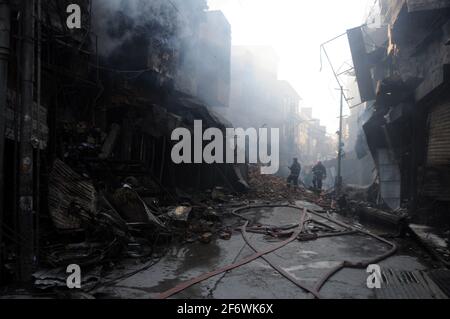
column 295, row 173
column 320, row 173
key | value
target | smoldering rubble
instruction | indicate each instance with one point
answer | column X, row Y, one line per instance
column 90, row 181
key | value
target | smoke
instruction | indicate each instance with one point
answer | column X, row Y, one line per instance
column 116, row 22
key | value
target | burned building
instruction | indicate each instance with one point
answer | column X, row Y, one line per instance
column 205, row 65
column 44, row 67
column 254, row 76
column 288, row 122
column 89, row 111
column 405, row 80
column 113, row 183
column 146, row 91
column 215, row 83
column 259, row 99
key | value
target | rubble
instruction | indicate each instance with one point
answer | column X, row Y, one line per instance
column 398, row 221
column 121, row 222
column 226, row 234
column 274, row 188
column 57, row 278
column 206, row 238
column 180, row 213
column 218, row 195
column 434, row 240
column 368, row 194
column 89, row 132
column 132, row 208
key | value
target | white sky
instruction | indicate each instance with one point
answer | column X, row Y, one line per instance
column 296, row 28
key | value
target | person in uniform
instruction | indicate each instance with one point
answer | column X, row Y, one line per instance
column 295, row 173
column 320, row 173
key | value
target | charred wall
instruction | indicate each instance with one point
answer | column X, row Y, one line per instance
column 410, row 111
column 108, row 107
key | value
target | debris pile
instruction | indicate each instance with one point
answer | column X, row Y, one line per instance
column 95, row 223
column 102, row 222
column 275, row 188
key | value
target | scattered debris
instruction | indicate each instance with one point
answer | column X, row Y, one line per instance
column 206, row 238
column 226, row 234
column 397, row 219
column 57, row 278
column 132, row 208
column 433, row 240
column 180, row 213
column 218, row 194
column 273, row 188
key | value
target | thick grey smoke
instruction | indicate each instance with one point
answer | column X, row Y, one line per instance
column 117, row 21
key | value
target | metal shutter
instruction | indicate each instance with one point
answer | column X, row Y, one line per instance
column 437, row 177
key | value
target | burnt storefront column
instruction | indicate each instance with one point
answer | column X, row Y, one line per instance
column 26, row 224
column 5, row 26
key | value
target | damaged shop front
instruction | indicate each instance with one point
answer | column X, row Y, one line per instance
column 104, row 185
column 404, row 79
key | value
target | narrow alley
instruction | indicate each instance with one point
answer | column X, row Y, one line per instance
column 224, row 149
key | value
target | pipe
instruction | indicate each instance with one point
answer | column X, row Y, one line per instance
column 26, row 181
column 5, row 32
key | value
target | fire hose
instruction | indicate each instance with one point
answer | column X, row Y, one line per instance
column 243, row 262
column 295, row 235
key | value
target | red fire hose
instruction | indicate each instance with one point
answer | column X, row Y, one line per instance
column 243, row 262
column 262, row 254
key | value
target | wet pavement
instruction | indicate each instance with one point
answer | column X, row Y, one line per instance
column 306, row 261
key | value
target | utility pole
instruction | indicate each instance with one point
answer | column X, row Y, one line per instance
column 5, row 29
column 339, row 180
column 26, row 182
column 339, row 172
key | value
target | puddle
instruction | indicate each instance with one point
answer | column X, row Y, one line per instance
column 315, row 265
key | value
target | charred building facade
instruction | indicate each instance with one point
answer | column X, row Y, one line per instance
column 402, row 73
column 86, row 111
